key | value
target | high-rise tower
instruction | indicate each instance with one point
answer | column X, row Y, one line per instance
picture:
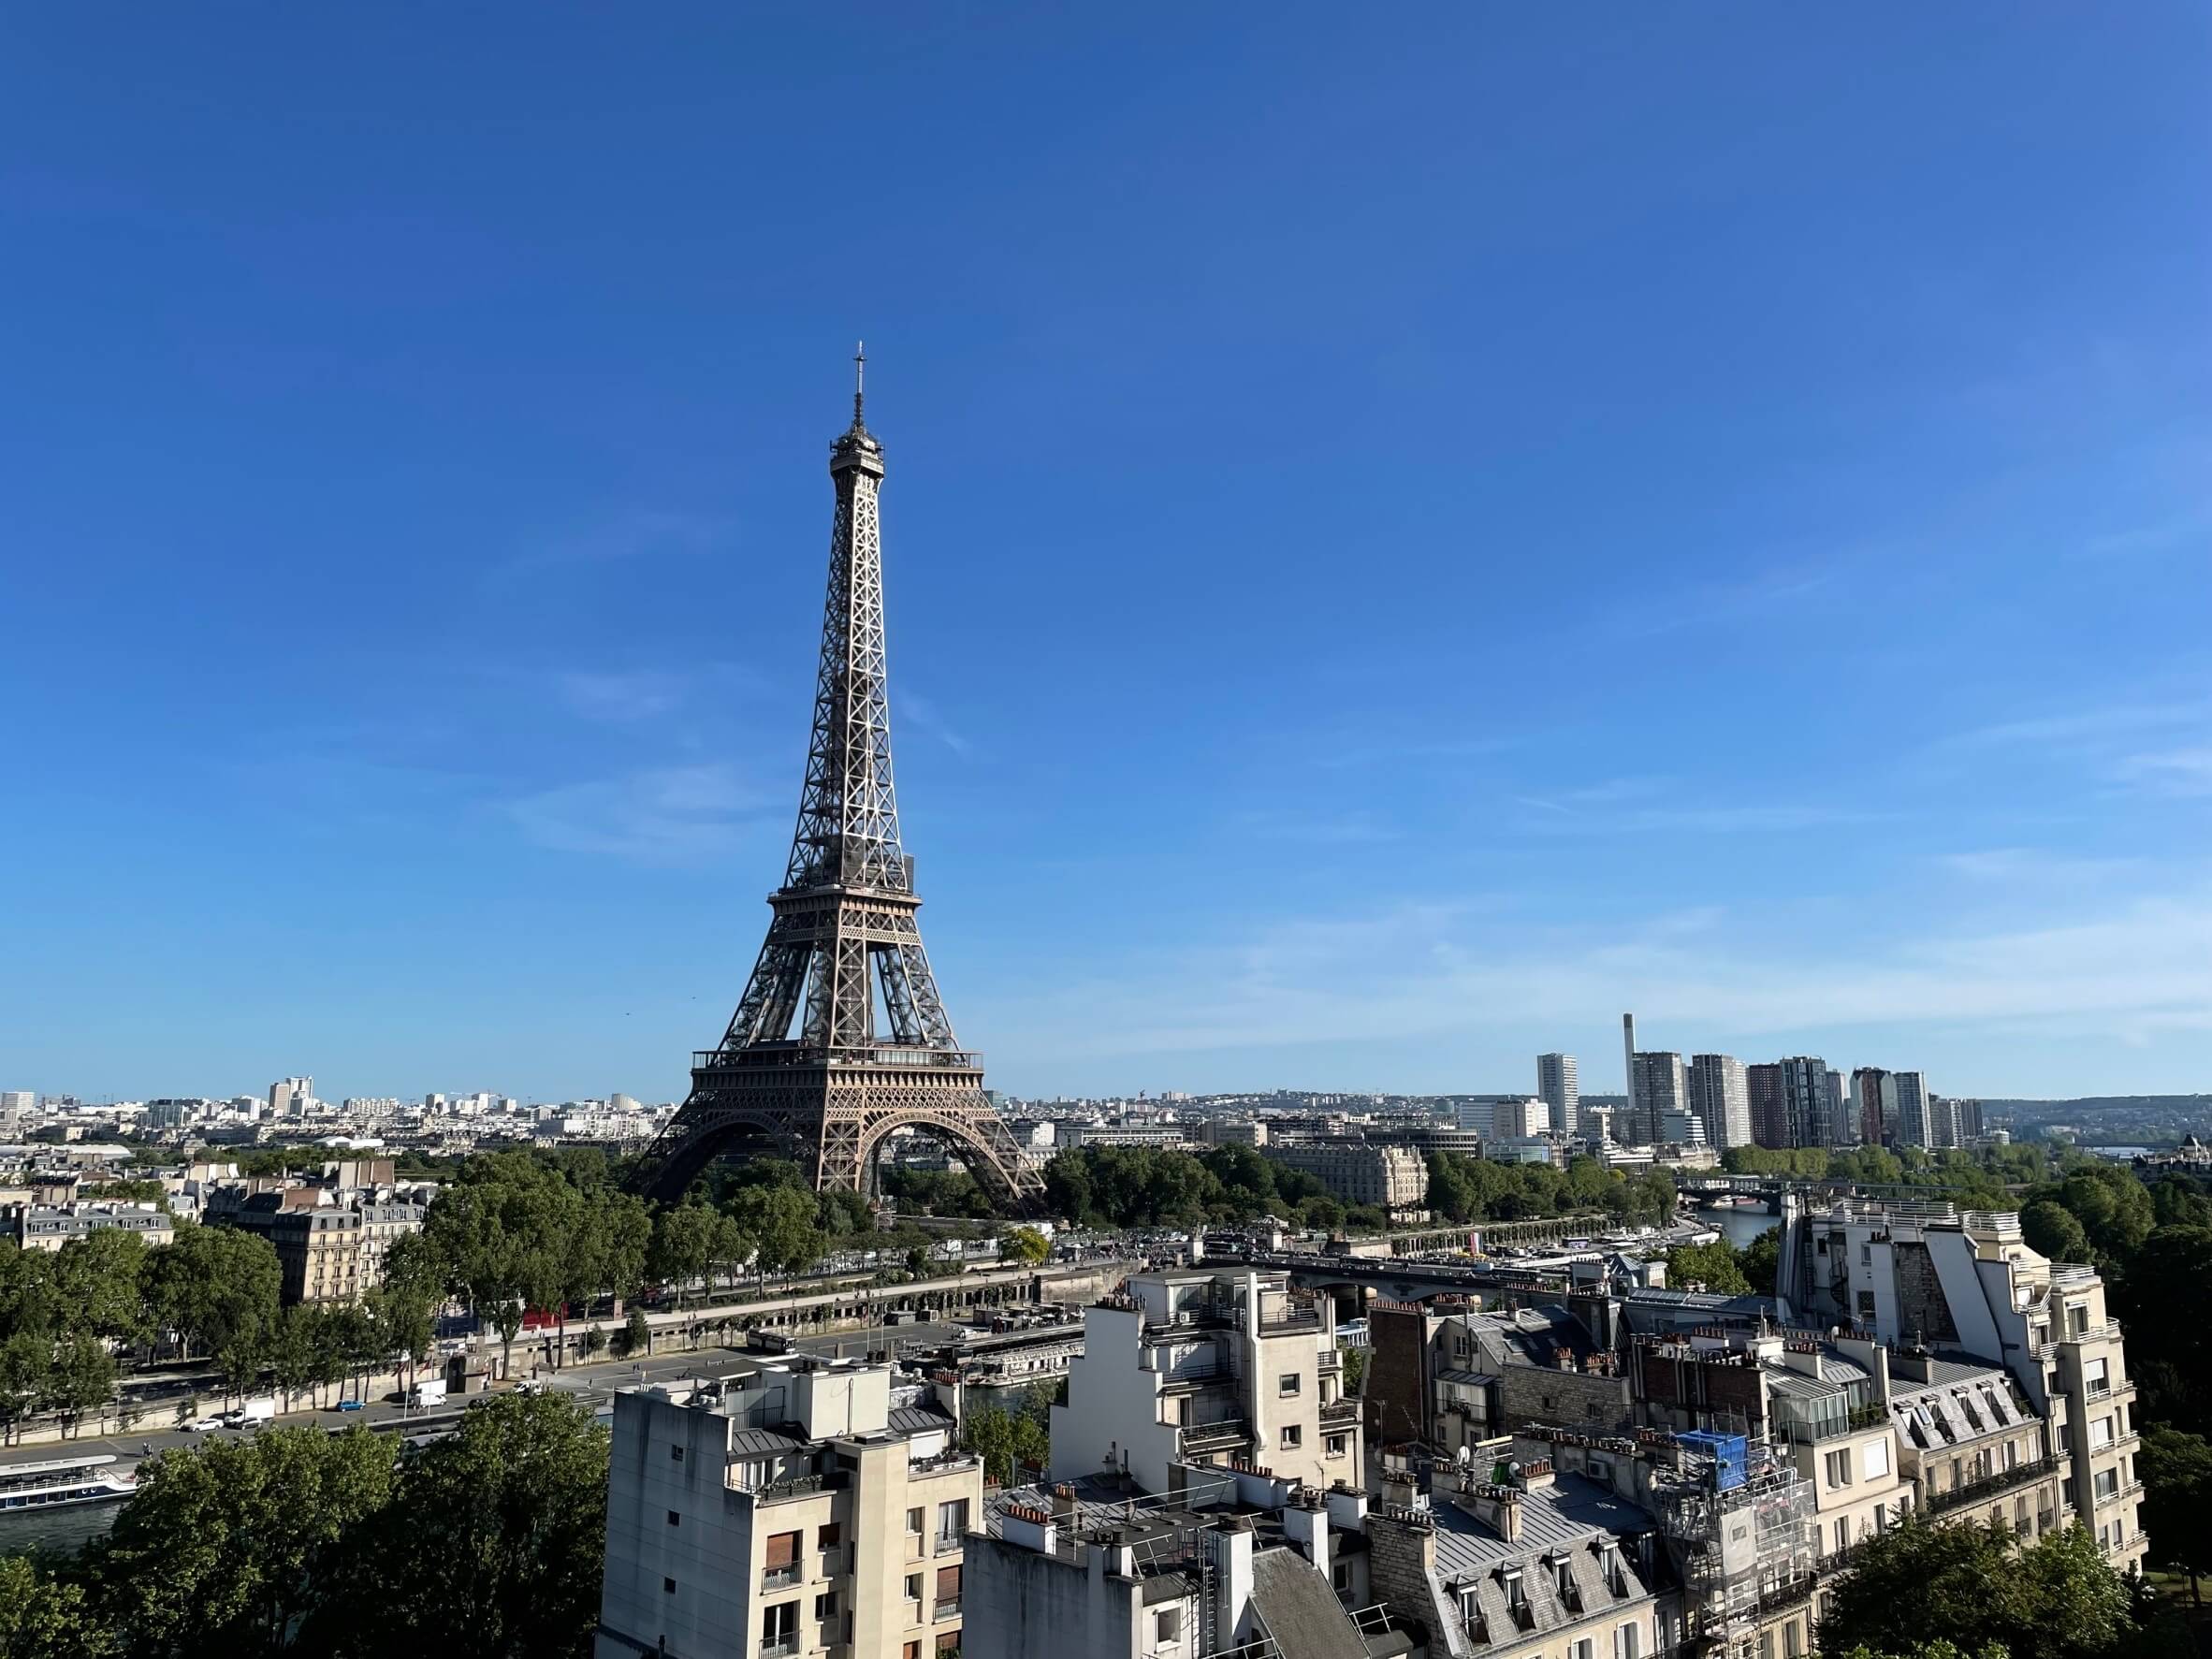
column 841, row 1039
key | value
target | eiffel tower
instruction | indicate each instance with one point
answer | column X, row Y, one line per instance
column 872, row 1053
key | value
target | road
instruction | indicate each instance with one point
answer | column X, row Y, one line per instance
column 593, row 1384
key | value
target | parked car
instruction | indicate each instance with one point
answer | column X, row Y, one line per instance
column 207, row 1425
column 349, row 1406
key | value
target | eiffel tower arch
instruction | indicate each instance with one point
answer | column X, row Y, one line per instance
column 840, row 1040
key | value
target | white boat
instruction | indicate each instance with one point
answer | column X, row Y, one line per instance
column 63, row 1480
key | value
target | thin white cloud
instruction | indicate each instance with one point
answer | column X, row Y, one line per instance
column 2170, row 772
column 672, row 815
column 924, row 717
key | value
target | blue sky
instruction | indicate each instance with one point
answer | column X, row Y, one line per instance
column 1402, row 541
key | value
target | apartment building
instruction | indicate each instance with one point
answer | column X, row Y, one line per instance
column 1518, row 1561
column 1972, row 1447
column 328, row 1251
column 1356, row 1172
column 1448, row 1374
column 1197, row 1367
column 1967, row 1284
column 1719, row 1096
column 802, row 1506
column 49, row 1227
column 1559, row 1086
column 1244, row 1563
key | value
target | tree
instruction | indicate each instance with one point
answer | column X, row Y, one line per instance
column 292, row 1352
column 2169, row 1355
column 1760, row 1260
column 1935, row 1650
column 43, row 1616
column 1922, row 1583
column 491, row 1547
column 82, row 1378
column 217, row 1287
column 102, row 1281
column 1005, row 1441
column 2051, row 1230
column 223, row 1548
column 25, row 1360
column 682, row 1246
column 1715, row 1266
column 1025, row 1244
column 2176, row 1470
column 781, row 1222
column 637, row 1335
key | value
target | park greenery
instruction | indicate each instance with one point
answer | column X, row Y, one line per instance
column 486, row 1545
column 1015, row 1438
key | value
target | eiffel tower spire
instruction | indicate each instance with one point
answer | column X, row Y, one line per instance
column 805, row 1060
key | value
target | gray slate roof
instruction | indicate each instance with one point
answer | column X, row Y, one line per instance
column 1300, row 1611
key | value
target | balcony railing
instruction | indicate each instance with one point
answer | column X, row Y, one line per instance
column 776, row 1647
column 782, row 1577
column 947, row 1543
column 1226, row 1432
column 948, row 1606
column 2132, row 1489
column 2108, row 1332
column 1340, row 1411
column 1989, row 1486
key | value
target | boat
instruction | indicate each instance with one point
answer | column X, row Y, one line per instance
column 63, row 1480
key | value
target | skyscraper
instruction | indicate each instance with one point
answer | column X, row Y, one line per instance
column 1721, row 1097
column 1842, row 1128
column 1770, row 1115
column 1661, row 1086
column 1625, row 1126
column 1558, row 1088
column 1806, row 1104
column 1873, row 1100
column 1912, row 1126
column 289, row 1097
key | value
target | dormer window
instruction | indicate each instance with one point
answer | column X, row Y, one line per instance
column 1516, row 1592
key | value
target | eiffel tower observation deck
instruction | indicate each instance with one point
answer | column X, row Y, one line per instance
column 840, row 1040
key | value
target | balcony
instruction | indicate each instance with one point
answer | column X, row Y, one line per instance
column 2108, row 1332
column 1989, row 1486
column 948, row 1606
column 776, row 1647
column 781, row 1578
column 947, row 1543
column 2133, row 1489
column 944, row 1462
column 1341, row 1411
column 1216, row 1436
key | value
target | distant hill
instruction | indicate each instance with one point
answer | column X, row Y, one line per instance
column 2089, row 1105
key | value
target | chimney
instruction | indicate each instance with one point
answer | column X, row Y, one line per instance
column 1306, row 1523
column 1029, row 1529
column 1232, row 1544
column 1063, row 1500
column 1347, row 1509
column 1497, row 1507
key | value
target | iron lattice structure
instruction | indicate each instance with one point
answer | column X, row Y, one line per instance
column 807, row 1063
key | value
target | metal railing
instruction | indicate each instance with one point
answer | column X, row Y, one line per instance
column 781, row 1578
column 1224, row 1432
column 775, row 1647
column 1990, row 1485
column 1340, row 1411
column 948, row 1606
column 947, row 1543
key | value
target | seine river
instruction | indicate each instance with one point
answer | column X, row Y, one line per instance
column 67, row 1529
column 1740, row 1227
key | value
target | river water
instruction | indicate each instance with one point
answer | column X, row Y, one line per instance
column 1740, row 1227
column 67, row 1529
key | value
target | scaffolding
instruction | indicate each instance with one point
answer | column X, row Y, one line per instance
column 1738, row 1547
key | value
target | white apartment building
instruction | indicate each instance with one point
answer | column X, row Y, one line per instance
column 1245, row 1563
column 1925, row 1273
column 791, row 1509
column 1914, row 1126
column 292, row 1097
column 1561, row 1090
column 1720, row 1095
column 1201, row 1367
column 1503, row 1117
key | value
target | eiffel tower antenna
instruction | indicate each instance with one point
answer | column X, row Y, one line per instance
column 840, row 1038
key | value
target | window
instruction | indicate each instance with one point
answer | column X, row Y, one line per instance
column 911, row 1651
column 1628, row 1642
column 952, row 1521
column 948, row 1591
column 1837, row 1465
column 1875, row 1461
column 780, row 1628
column 1291, row 1436
column 1167, row 1628
column 914, row 1518
column 2099, row 1433
column 1332, row 1446
column 1516, row 1596
column 1340, row 1577
column 1866, row 1307
column 1866, row 1254
column 668, row 1587
column 675, row 1454
column 1790, row 1642
column 1843, row 1534
column 1585, row 1649
column 674, row 1519
column 828, row 1535
column 825, row 1605
column 2096, row 1375
column 779, row 1567
column 913, row 1586
column 2107, row 1482
column 1288, row 1384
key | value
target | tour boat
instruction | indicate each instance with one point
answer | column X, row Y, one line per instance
column 63, row 1480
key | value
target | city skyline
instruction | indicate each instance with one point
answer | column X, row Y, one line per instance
column 1576, row 578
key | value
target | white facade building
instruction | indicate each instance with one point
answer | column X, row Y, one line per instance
column 1719, row 1096
column 1559, row 1087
